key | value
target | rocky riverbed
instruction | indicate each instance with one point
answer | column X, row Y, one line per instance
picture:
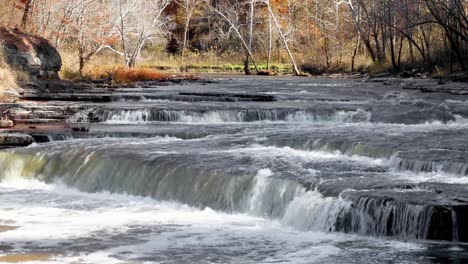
column 46, row 105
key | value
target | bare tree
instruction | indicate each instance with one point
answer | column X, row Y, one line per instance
column 251, row 4
column 94, row 31
column 283, row 38
column 63, row 18
column 27, row 13
column 270, row 38
column 362, row 34
column 452, row 16
column 138, row 21
column 230, row 14
column 189, row 7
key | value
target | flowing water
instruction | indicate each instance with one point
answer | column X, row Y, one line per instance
column 246, row 170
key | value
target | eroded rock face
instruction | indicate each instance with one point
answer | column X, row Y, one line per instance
column 30, row 53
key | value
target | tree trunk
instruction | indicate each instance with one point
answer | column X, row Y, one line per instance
column 184, row 43
column 188, row 15
column 411, row 52
column 81, row 61
column 364, row 39
column 247, row 70
column 240, row 37
column 327, row 55
column 27, row 14
column 270, row 36
column 399, row 52
column 393, row 54
column 353, row 58
column 130, row 62
column 291, row 57
column 246, row 61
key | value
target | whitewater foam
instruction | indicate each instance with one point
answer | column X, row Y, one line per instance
column 232, row 116
column 65, row 222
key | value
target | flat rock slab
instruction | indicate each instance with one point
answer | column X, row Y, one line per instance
column 15, row 140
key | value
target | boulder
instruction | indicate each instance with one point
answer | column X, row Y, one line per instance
column 406, row 74
column 31, row 54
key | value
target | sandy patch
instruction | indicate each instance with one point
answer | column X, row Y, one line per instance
column 4, row 228
column 25, row 257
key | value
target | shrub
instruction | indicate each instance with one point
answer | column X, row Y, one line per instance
column 69, row 74
column 138, row 75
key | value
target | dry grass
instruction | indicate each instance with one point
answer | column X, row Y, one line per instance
column 7, row 80
column 157, row 65
column 7, row 77
column 124, row 76
column 137, row 75
column 25, row 257
column 106, row 66
column 8, row 83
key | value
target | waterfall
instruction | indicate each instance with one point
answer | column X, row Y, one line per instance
column 163, row 178
column 381, row 216
column 223, row 116
column 168, row 177
column 424, row 163
column 312, row 211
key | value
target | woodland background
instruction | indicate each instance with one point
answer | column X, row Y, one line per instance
column 313, row 36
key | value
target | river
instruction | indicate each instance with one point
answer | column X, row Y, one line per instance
column 246, row 170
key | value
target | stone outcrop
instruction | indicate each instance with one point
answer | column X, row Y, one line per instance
column 15, row 140
column 31, row 54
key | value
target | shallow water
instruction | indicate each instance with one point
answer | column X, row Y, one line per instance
column 246, row 170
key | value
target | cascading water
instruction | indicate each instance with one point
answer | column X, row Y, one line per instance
column 173, row 176
column 383, row 217
column 289, row 172
column 224, row 116
column 90, row 170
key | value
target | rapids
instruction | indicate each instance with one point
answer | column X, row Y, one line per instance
column 246, row 170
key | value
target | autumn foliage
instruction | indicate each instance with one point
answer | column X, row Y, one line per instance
column 355, row 35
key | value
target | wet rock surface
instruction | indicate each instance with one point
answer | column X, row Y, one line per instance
column 430, row 86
